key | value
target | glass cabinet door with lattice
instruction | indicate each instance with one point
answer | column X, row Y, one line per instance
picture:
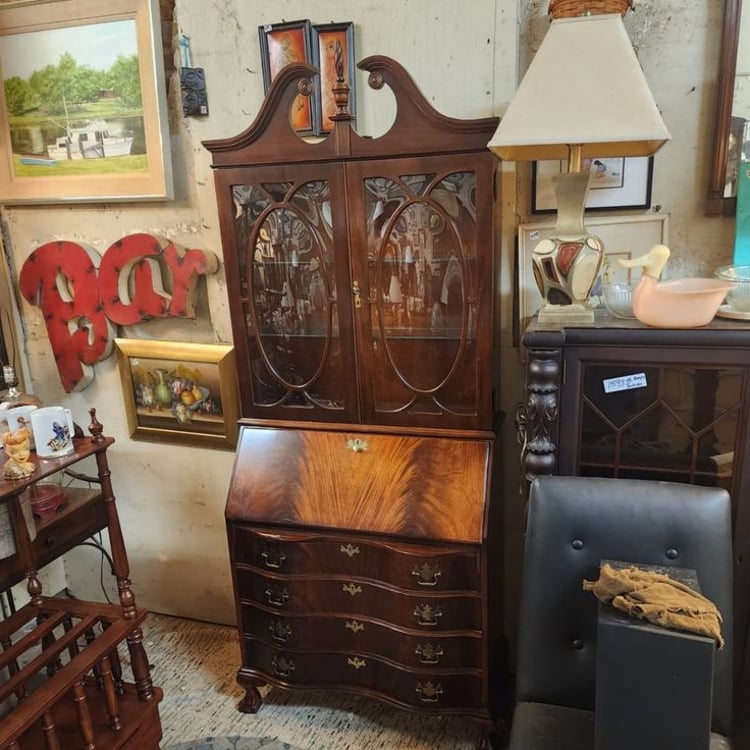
column 359, row 270
column 678, row 422
column 299, row 359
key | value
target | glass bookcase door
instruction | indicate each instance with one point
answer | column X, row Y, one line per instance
column 290, row 269
column 668, row 422
column 424, row 295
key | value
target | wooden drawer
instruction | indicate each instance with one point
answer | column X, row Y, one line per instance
column 432, row 690
column 418, row 610
column 82, row 515
column 408, row 566
column 423, row 651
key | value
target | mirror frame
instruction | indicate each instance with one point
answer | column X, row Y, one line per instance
column 716, row 203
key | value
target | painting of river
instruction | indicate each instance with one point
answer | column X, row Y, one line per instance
column 73, row 99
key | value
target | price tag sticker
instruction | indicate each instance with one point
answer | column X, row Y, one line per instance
column 625, row 382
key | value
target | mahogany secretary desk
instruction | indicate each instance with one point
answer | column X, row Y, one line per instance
column 360, row 280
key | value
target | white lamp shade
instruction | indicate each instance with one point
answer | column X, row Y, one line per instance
column 584, row 87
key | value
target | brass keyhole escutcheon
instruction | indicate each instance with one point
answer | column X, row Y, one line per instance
column 357, row 445
column 357, row 292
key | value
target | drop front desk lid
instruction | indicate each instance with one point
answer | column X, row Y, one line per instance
column 413, row 485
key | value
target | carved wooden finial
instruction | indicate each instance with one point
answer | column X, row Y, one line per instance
column 95, row 428
column 340, row 89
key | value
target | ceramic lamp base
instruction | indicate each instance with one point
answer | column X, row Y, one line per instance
column 566, row 269
column 567, row 264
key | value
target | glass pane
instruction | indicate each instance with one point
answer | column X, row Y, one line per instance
column 291, row 309
column 421, row 262
column 671, row 423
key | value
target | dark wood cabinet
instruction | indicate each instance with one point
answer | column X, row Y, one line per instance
column 619, row 399
column 360, row 562
column 360, row 270
column 63, row 660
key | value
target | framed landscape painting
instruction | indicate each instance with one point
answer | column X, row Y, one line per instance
column 179, row 392
column 83, row 103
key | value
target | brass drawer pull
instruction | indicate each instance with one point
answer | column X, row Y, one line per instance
column 428, row 653
column 355, row 626
column 352, row 588
column 429, row 693
column 349, row 549
column 277, row 595
column 282, row 666
column 426, row 614
column 356, row 662
column 280, row 630
column 273, row 558
column 427, row 574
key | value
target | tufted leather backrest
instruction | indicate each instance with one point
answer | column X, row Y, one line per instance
column 575, row 522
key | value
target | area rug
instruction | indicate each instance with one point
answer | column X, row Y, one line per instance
column 234, row 743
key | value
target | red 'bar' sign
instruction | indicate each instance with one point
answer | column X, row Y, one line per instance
column 81, row 294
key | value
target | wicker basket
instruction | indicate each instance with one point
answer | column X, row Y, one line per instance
column 568, row 8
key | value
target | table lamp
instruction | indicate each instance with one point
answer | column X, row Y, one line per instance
column 583, row 97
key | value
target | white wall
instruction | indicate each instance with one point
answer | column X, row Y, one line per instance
column 463, row 55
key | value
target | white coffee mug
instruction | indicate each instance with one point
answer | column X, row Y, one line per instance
column 20, row 416
column 53, row 431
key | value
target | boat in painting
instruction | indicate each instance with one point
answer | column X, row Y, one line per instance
column 37, row 160
column 92, row 141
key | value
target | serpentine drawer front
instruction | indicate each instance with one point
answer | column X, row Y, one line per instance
column 359, row 562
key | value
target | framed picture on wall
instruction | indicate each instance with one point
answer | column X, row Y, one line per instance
column 280, row 45
column 83, row 103
column 333, row 47
column 615, row 183
column 179, row 392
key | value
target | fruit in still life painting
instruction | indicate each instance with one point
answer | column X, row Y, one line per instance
column 178, row 392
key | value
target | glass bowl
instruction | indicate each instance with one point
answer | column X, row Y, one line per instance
column 618, row 298
column 738, row 297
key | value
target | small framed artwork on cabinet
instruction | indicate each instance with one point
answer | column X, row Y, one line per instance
column 280, row 45
column 179, row 392
column 333, row 55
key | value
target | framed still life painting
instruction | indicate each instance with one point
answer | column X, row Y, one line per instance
column 83, row 102
column 179, row 392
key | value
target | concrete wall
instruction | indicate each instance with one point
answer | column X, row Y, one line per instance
column 464, row 56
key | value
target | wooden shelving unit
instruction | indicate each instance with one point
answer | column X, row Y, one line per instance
column 63, row 683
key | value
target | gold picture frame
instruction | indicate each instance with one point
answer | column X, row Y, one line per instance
column 83, row 103
column 179, row 392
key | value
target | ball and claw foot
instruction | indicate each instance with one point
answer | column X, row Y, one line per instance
column 251, row 702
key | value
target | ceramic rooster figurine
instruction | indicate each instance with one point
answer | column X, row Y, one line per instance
column 681, row 303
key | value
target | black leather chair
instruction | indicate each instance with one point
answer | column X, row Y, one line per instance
column 574, row 523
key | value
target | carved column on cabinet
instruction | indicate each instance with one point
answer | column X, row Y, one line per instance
column 538, row 426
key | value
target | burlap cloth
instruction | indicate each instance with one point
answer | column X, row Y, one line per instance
column 657, row 598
